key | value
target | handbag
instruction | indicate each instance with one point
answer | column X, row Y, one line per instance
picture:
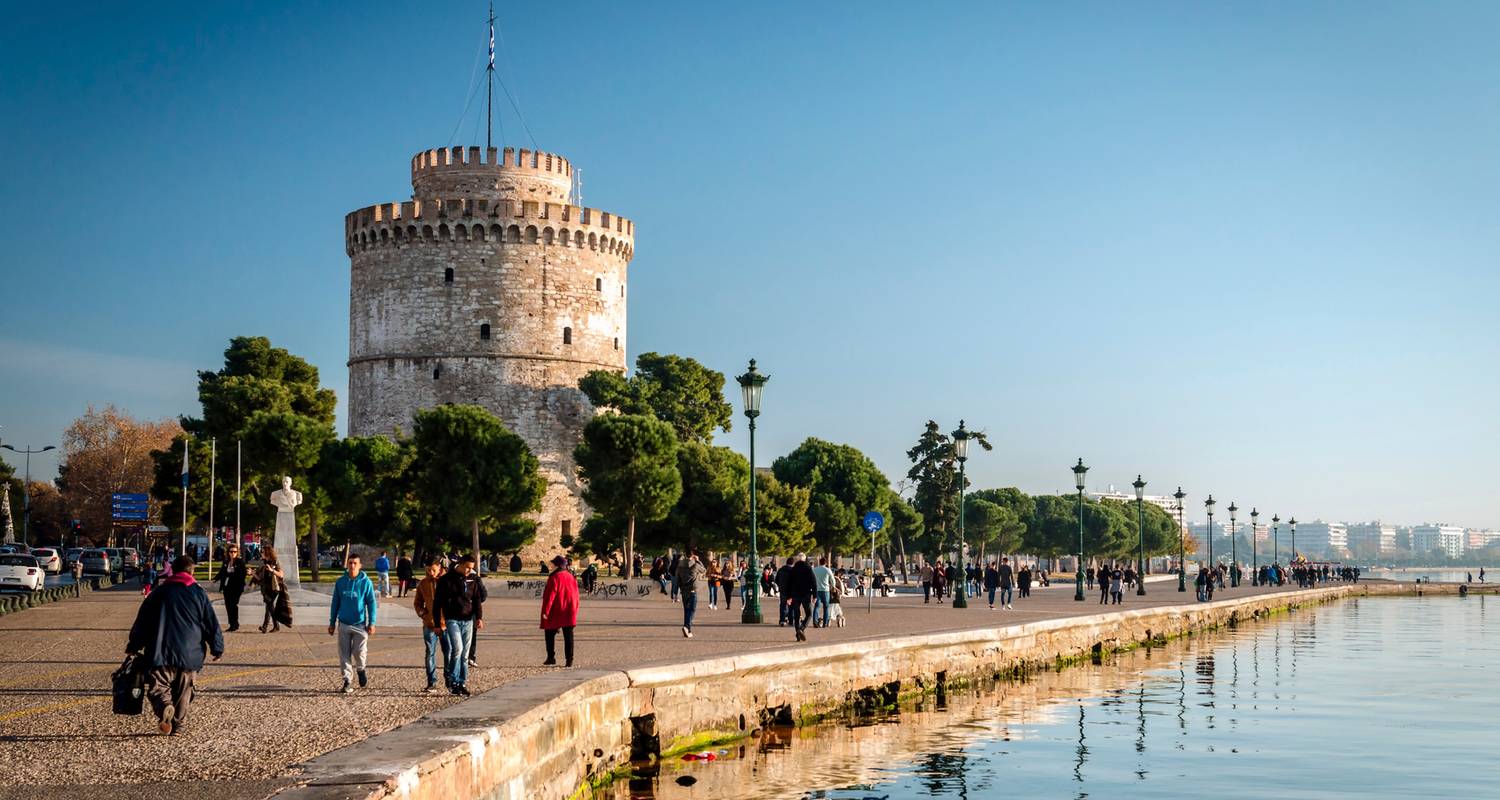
column 129, row 685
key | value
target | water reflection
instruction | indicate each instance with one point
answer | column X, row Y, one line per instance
column 1342, row 688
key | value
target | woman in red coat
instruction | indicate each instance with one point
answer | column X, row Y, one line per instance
column 559, row 611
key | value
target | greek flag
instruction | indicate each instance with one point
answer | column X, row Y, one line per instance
column 492, row 42
column 184, row 464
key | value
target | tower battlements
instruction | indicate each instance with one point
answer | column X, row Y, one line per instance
column 491, row 172
column 482, row 219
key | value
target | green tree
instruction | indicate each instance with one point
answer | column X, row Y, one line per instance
column 676, row 390
column 713, row 508
column 782, row 525
column 628, row 463
column 467, row 463
column 1004, row 526
column 844, row 484
column 934, row 470
column 361, row 484
column 903, row 524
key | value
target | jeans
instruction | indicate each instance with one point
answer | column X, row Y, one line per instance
column 384, row 585
column 713, row 594
column 436, row 642
column 801, row 611
column 354, row 649
column 926, row 591
column 460, row 636
column 728, row 595
column 820, row 609
column 784, row 609
column 1005, row 595
column 689, row 608
column 992, row 598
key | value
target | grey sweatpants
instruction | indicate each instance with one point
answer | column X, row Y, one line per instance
column 170, row 686
column 354, row 643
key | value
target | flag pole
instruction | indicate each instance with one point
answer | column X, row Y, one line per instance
column 237, row 464
column 213, row 485
column 489, row 95
column 184, row 495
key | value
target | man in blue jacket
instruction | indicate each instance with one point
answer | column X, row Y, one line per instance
column 351, row 616
column 173, row 628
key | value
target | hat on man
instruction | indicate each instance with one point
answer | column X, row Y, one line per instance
column 560, row 561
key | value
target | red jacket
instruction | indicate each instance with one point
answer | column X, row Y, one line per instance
column 560, row 601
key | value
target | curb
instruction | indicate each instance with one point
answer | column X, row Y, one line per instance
column 13, row 603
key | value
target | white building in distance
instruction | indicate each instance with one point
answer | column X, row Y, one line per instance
column 1448, row 538
column 1371, row 539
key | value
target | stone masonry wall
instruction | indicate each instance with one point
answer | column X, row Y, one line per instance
column 501, row 297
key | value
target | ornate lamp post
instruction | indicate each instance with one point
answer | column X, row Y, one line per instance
column 961, row 452
column 1293, row 522
column 26, row 490
column 1140, row 526
column 1276, row 539
column 1234, row 549
column 1078, row 472
column 1254, row 532
column 1181, row 545
column 1209, row 504
column 751, row 384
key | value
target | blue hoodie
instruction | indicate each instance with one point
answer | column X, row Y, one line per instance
column 353, row 601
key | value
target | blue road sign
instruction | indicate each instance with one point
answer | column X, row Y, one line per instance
column 128, row 506
column 873, row 521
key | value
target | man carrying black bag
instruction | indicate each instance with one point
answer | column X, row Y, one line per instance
column 173, row 628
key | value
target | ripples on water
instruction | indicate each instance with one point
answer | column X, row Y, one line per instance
column 1387, row 697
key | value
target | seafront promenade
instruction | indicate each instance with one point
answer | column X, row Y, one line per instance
column 272, row 702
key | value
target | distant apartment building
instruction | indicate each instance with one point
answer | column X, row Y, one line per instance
column 1480, row 538
column 1165, row 502
column 1199, row 532
column 1319, row 539
column 1371, row 539
column 1448, row 538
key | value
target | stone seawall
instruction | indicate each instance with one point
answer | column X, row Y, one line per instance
column 547, row 736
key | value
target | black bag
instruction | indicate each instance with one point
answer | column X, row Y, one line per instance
column 130, row 685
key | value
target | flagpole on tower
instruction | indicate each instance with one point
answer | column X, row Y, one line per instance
column 489, row 94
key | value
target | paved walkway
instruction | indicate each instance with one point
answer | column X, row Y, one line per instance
column 273, row 701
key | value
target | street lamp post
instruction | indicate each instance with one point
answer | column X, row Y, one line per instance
column 1293, row 522
column 961, row 452
column 751, row 384
column 1079, row 472
column 1181, row 545
column 1234, row 548
column 1140, row 525
column 1276, row 539
column 26, row 490
column 1254, row 559
column 1209, row 504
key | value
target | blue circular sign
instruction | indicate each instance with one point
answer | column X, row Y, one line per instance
column 873, row 521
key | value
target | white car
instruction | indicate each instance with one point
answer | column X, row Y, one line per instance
column 21, row 572
column 48, row 558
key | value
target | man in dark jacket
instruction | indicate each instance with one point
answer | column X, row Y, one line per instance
column 459, row 597
column 231, row 580
column 782, row 578
column 802, row 584
column 172, row 629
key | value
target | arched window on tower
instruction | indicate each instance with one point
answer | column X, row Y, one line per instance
column 567, row 335
column 484, row 331
column 437, row 372
column 448, row 275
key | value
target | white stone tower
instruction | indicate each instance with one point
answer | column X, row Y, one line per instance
column 487, row 287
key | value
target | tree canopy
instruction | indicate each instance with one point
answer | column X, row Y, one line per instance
column 843, row 484
column 674, row 389
column 628, row 463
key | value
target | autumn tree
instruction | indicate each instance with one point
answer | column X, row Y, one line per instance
column 104, row 452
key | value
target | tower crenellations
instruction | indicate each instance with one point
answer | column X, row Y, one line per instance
column 491, row 172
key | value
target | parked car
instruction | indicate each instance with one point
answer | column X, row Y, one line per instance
column 96, row 562
column 15, row 547
column 130, row 559
column 18, row 571
column 48, row 558
column 70, row 556
column 116, row 560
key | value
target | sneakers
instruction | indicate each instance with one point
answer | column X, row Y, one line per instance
column 1009, row 606
column 687, row 633
column 473, row 662
column 460, row 690
column 348, row 688
column 364, row 680
column 165, row 726
column 431, row 689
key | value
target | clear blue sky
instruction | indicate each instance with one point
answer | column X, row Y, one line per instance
column 1248, row 248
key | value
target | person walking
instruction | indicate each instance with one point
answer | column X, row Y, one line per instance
column 801, row 584
column 383, row 572
column 685, row 579
column 460, row 600
column 713, row 585
column 173, row 629
column 351, row 617
column 1007, row 579
column 231, row 578
column 727, row 575
column 823, row 589
column 1117, row 584
column 991, row 582
column 433, row 640
column 1023, row 580
column 926, row 576
column 273, row 592
column 404, row 575
column 784, row 593
column 1103, row 585
column 939, row 580
column 559, row 611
